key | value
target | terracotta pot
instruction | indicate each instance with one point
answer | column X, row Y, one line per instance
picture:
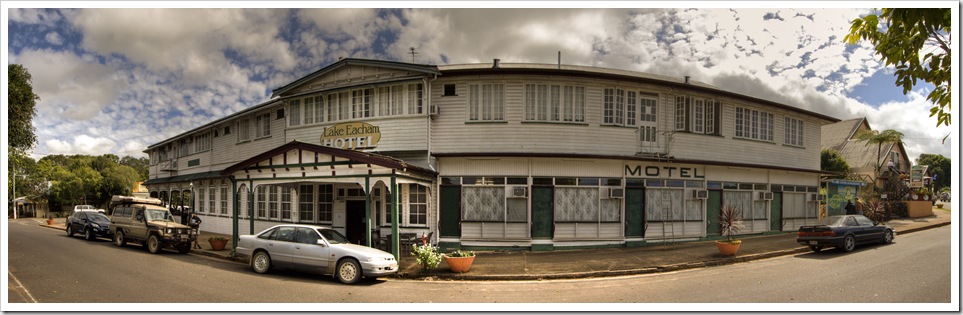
column 217, row 244
column 727, row 248
column 459, row 264
column 50, row 221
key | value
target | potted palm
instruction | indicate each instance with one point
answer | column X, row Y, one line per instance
column 460, row 261
column 730, row 222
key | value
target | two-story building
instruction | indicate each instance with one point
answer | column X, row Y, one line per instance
column 499, row 155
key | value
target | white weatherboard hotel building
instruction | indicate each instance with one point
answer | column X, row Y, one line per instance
column 530, row 156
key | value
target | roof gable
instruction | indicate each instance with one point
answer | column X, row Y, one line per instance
column 352, row 71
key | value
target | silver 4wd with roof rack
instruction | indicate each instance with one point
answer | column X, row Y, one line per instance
column 144, row 220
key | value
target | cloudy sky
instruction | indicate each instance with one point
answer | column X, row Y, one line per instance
column 118, row 80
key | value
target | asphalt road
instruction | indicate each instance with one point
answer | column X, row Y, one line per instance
column 45, row 266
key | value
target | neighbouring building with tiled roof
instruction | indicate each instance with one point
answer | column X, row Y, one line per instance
column 861, row 155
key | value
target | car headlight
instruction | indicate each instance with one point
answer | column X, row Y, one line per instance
column 170, row 231
column 96, row 226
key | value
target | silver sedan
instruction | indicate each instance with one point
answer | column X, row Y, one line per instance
column 315, row 249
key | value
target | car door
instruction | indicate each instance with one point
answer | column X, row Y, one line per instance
column 868, row 232
column 76, row 224
column 308, row 254
column 281, row 246
column 138, row 224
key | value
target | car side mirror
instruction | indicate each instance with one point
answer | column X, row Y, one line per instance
column 321, row 242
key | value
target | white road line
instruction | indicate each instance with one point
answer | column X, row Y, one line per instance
column 20, row 288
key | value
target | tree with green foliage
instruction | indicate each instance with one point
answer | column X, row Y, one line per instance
column 21, row 109
column 141, row 165
column 939, row 167
column 917, row 42
column 831, row 161
column 879, row 138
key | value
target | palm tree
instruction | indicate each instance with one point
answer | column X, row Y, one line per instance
column 879, row 138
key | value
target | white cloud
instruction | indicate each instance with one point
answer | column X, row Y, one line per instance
column 64, row 81
column 54, row 38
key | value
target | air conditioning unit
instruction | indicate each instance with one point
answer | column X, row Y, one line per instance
column 700, row 194
column 433, row 110
column 616, row 193
column 816, row 197
column 765, row 195
column 519, row 191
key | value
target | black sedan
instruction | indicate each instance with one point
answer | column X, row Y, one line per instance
column 90, row 223
column 844, row 232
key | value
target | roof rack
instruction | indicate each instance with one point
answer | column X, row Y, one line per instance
column 117, row 199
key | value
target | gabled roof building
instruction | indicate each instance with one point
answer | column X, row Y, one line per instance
column 498, row 155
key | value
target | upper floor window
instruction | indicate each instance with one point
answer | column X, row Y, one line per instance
column 628, row 108
column 361, row 103
column 294, row 106
column 244, row 129
column 202, row 142
column 697, row 115
column 262, row 125
column 415, row 102
column 184, row 147
column 794, row 132
column 486, row 102
column 552, row 102
column 754, row 124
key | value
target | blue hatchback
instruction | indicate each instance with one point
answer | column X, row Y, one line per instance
column 91, row 224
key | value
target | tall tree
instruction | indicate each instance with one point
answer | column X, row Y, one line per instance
column 21, row 109
column 879, row 138
column 830, row 160
column 900, row 41
column 141, row 165
column 939, row 166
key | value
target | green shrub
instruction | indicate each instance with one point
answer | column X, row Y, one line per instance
column 427, row 256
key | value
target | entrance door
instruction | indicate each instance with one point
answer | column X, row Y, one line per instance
column 775, row 212
column 713, row 209
column 542, row 213
column 355, row 221
column 635, row 212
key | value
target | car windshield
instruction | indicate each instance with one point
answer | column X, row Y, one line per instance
column 159, row 215
column 97, row 217
column 836, row 220
column 333, row 236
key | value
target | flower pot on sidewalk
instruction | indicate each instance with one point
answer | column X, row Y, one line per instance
column 728, row 248
column 459, row 264
column 217, row 243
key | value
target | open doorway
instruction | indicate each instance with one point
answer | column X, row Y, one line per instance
column 355, row 221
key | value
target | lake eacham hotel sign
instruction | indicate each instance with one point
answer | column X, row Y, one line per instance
column 351, row 136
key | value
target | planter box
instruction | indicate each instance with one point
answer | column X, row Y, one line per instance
column 459, row 264
column 919, row 209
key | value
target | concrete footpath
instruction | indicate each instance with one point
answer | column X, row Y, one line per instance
column 586, row 263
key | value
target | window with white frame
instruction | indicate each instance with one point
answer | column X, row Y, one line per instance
column 286, row 203
column 554, row 102
column 294, row 110
column 417, row 204
column 261, row 202
column 415, row 100
column 200, row 199
column 794, row 132
column 754, row 124
column 262, row 125
column 224, row 198
column 211, row 199
column 697, row 115
column 325, row 202
column 486, row 102
column 184, row 147
column 306, row 203
column 648, row 134
column 344, row 105
column 243, row 129
column 385, row 101
column 272, row 206
column 361, row 103
column 613, row 112
column 648, row 105
column 202, row 142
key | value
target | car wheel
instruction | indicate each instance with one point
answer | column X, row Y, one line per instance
column 849, row 243
column 348, row 271
column 70, row 231
column 119, row 239
column 184, row 248
column 261, row 262
column 887, row 237
column 153, row 244
column 88, row 234
column 815, row 248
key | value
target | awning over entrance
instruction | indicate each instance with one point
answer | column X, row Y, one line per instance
column 296, row 162
column 184, row 178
